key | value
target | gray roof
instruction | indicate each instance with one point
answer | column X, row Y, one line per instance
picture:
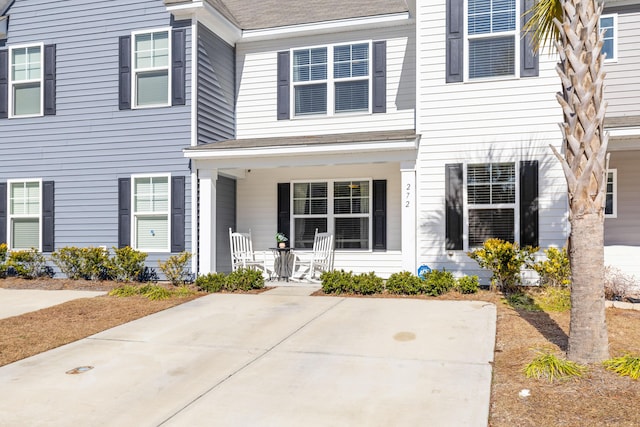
column 253, row 15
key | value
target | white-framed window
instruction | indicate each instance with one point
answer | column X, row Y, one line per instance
column 609, row 24
column 25, row 81
column 342, row 207
column 491, row 202
column 331, row 79
column 151, row 59
column 611, row 203
column 151, row 219
column 492, row 38
column 25, row 214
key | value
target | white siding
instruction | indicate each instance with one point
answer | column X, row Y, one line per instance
column 625, row 228
column 256, row 74
column 497, row 120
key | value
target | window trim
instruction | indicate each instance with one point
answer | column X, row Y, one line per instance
column 469, row 206
column 12, row 84
column 614, row 173
column 614, row 16
column 516, row 39
column 10, row 216
column 135, row 70
column 330, row 215
column 331, row 81
column 134, row 214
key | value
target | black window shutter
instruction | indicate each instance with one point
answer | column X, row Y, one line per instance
column 453, row 206
column 284, row 209
column 380, row 214
column 455, row 41
column 283, row 85
column 4, row 84
column 50, row 80
column 179, row 66
column 177, row 213
column 124, row 212
column 124, row 95
column 379, row 77
column 529, row 203
column 3, row 212
column 48, row 223
column 529, row 60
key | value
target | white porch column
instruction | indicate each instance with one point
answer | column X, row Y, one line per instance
column 408, row 215
column 207, row 237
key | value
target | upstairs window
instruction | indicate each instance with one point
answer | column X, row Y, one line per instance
column 24, row 214
column 491, row 37
column 331, row 80
column 608, row 24
column 26, row 97
column 151, row 71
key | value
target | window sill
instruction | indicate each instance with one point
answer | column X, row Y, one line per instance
column 26, row 116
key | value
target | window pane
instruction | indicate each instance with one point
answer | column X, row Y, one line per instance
column 311, row 99
column 608, row 208
column 305, row 229
column 491, row 16
column 25, row 233
column 26, row 99
column 152, row 232
column 310, row 198
column 151, row 194
column 161, row 49
column 310, row 64
column 351, row 61
column 352, row 233
column 26, row 63
column 351, row 197
column 352, row 96
column 152, row 88
column 490, row 223
column 25, row 198
column 491, row 183
column 492, row 57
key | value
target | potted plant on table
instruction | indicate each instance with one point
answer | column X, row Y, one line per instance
column 281, row 239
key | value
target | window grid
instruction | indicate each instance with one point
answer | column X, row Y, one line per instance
column 151, row 76
column 25, row 77
column 151, row 219
column 24, row 202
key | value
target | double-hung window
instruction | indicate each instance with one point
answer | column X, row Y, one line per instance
column 24, row 214
column 611, row 202
column 492, row 40
column 151, row 68
column 25, row 77
column 342, row 207
column 151, row 212
column 491, row 197
column 331, row 79
column 608, row 24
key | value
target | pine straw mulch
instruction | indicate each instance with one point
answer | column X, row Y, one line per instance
column 599, row 399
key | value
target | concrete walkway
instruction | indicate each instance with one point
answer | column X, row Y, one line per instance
column 267, row 360
column 14, row 302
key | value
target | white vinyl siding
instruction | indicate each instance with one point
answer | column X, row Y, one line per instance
column 151, row 68
column 25, row 214
column 491, row 38
column 25, row 76
column 331, row 79
column 611, row 203
column 151, row 212
column 609, row 24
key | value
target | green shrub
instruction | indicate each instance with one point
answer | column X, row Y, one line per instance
column 438, row 282
column 3, row 259
column 548, row 365
column 553, row 299
column 28, row 263
column 183, row 291
column 555, row 270
column 175, row 268
column 82, row 263
column 338, row 282
column 627, row 365
column 404, row 283
column 125, row 291
column 244, row 279
column 211, row 282
column 367, row 284
column 504, row 260
column 154, row 292
column 127, row 264
column 467, row 284
column 69, row 260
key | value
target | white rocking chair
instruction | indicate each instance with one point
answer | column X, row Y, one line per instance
column 321, row 258
column 242, row 255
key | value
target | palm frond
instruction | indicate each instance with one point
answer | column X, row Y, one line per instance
column 540, row 23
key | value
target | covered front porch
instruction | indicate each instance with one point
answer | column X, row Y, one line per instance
column 360, row 187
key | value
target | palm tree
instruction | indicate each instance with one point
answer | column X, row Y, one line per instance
column 573, row 26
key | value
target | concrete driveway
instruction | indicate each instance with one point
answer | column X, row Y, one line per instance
column 267, row 360
column 14, row 302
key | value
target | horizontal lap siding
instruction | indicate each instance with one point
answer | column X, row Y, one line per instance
column 90, row 143
column 256, row 74
column 500, row 120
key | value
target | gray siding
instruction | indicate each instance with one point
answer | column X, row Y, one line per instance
column 216, row 89
column 225, row 218
column 625, row 229
column 90, row 143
